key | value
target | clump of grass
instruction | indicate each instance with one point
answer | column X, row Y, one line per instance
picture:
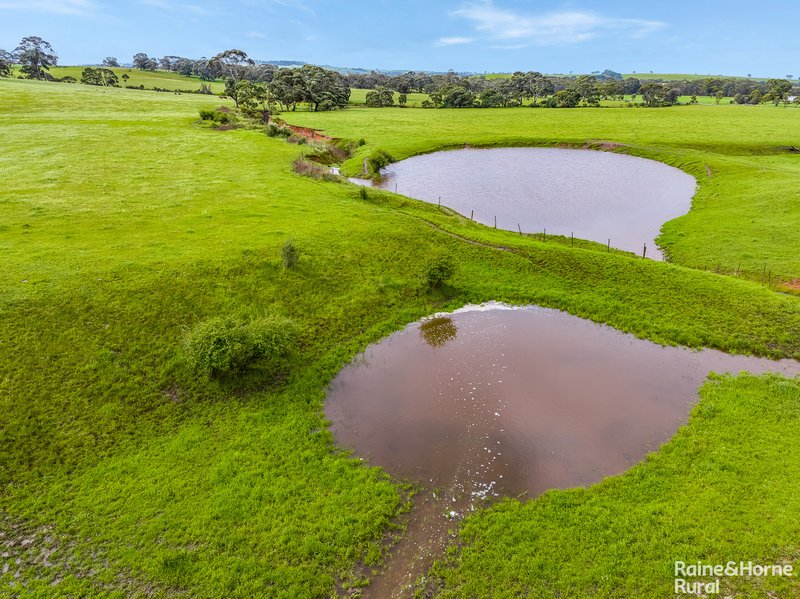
column 439, row 271
column 223, row 347
column 362, row 193
column 290, row 255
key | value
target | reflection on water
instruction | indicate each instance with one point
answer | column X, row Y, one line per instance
column 438, row 331
column 595, row 195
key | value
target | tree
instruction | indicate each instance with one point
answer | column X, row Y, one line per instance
column 323, row 89
column 36, row 57
column 6, row 62
column 402, row 100
column 143, row 62
column 125, row 78
column 231, row 64
column 658, row 94
column 100, row 76
column 777, row 91
column 380, row 97
column 110, row 61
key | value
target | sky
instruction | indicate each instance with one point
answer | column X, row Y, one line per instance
column 731, row 37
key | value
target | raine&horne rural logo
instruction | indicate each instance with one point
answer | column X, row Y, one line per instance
column 687, row 573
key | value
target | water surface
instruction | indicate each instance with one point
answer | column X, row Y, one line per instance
column 595, row 195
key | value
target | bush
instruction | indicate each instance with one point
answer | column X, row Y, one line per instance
column 377, row 160
column 439, row 271
column 362, row 193
column 290, row 255
column 207, row 114
column 224, row 346
column 275, row 130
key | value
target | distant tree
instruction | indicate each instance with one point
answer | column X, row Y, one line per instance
column 323, row 89
column 631, row 86
column 231, row 64
column 380, row 97
column 458, row 97
column 693, row 100
column 402, row 100
column 492, row 98
column 6, row 62
column 110, row 61
column 658, row 94
column 586, row 87
column 36, row 57
column 143, row 62
column 777, row 91
column 718, row 96
column 100, row 76
column 125, row 78
column 566, row 98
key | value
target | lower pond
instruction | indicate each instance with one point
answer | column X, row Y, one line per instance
column 595, row 195
column 493, row 401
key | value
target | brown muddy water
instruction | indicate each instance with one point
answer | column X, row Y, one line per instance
column 494, row 401
column 595, row 195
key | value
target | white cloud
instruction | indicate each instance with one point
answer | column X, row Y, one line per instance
column 61, row 7
column 256, row 35
column 554, row 28
column 453, row 41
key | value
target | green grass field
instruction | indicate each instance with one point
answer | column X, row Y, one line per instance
column 359, row 97
column 150, row 79
column 123, row 222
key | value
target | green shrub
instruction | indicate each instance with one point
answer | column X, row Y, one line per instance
column 362, row 193
column 275, row 130
column 207, row 114
column 439, row 271
column 377, row 160
column 224, row 346
column 290, row 255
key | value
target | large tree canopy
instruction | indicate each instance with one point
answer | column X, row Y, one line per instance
column 35, row 56
column 6, row 61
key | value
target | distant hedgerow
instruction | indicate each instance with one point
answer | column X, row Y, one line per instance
column 225, row 346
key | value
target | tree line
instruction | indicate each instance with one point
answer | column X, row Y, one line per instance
column 252, row 86
column 452, row 90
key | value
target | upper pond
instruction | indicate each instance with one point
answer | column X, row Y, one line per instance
column 595, row 195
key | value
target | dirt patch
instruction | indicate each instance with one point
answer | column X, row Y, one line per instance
column 308, row 133
column 604, row 146
column 793, row 285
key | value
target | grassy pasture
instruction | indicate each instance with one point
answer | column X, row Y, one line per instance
column 150, row 79
column 359, row 97
column 123, row 223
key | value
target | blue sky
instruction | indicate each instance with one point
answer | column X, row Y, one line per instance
column 718, row 37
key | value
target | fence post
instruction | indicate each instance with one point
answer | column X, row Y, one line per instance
column 644, row 252
column 520, row 229
column 609, row 245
